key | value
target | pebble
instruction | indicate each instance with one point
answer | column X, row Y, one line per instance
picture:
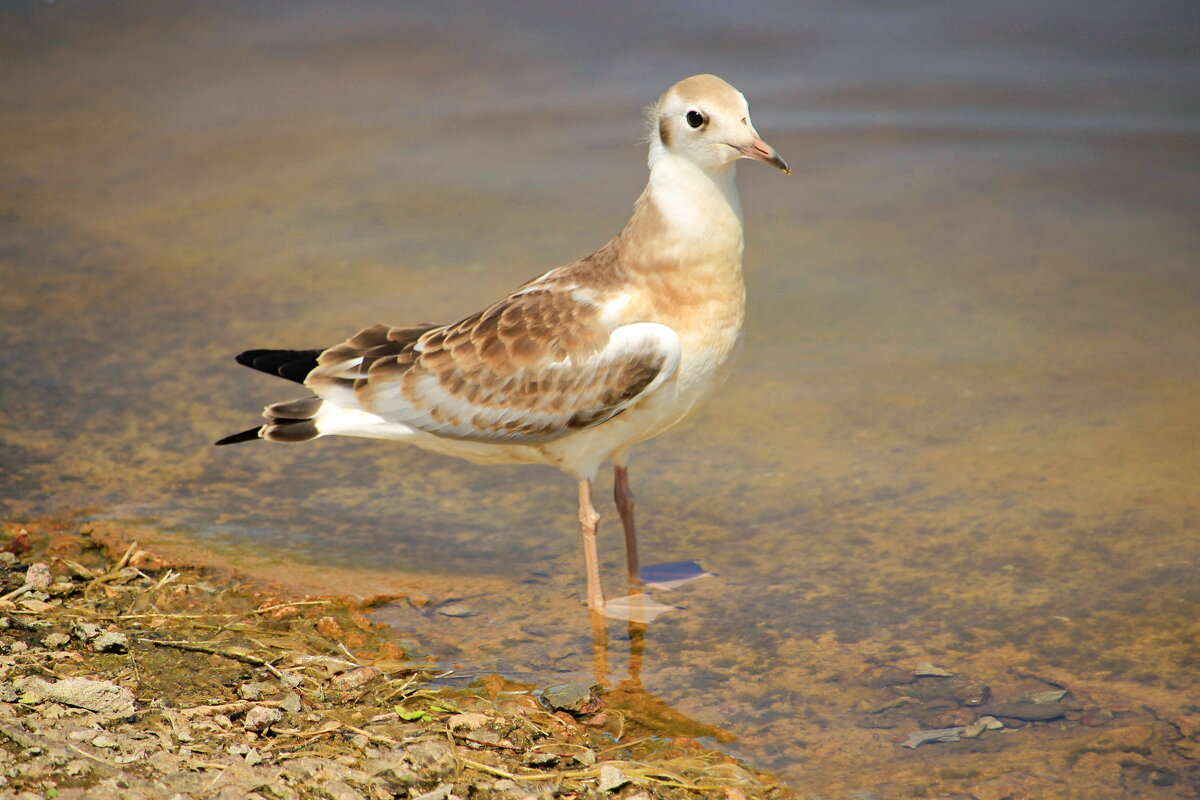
column 440, row 793
column 1028, row 712
column 919, row 738
column 104, row 740
column 291, row 703
column 38, row 576
column 56, row 640
column 250, row 691
column 927, row 670
column 580, row 698
column 354, row 678
column 339, row 790
column 984, row 723
column 86, row 631
column 328, row 626
column 260, row 718
column 7, row 560
column 457, row 610
column 611, row 778
column 470, row 721
column 99, row 696
column 111, row 642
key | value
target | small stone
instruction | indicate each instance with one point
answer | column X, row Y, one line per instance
column 250, row 691
column 354, row 678
column 86, row 631
column 339, row 790
column 611, row 778
column 111, row 642
column 55, row 640
column 253, row 757
column 927, row 670
column 440, row 793
column 328, row 626
column 919, row 738
column 1028, row 712
column 104, row 740
column 470, row 721
column 291, row 680
column 597, row 720
column 7, row 560
column 457, row 610
column 1048, row 697
column 38, row 576
column 100, row 696
column 984, row 723
column 291, row 703
column 17, row 647
column 434, row 758
column 972, row 694
column 579, row 698
column 260, row 718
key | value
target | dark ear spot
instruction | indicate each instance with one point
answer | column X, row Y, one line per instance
column 664, row 132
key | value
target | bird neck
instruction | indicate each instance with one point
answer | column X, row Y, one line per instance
column 696, row 208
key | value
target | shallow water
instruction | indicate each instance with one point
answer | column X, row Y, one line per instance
column 963, row 429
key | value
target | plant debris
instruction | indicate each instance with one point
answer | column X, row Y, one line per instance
column 125, row 677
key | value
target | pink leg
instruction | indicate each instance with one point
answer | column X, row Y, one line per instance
column 624, row 498
column 588, row 521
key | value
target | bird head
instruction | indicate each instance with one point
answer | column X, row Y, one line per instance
column 707, row 121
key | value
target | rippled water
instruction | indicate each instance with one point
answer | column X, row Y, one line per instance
column 963, row 429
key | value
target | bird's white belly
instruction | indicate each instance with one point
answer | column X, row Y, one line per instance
column 702, row 369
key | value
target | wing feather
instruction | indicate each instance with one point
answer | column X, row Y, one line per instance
column 534, row 367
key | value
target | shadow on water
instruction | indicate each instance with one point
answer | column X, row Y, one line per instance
column 961, row 438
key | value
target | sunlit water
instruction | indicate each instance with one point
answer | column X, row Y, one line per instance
column 964, row 428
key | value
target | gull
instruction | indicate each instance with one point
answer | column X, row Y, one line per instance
column 576, row 366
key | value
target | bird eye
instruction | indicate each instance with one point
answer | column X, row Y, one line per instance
column 695, row 118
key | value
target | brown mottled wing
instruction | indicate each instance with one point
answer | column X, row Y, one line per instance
column 536, row 366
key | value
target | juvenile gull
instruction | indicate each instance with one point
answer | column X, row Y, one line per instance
column 579, row 365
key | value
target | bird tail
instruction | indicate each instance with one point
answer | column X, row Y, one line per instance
column 289, row 421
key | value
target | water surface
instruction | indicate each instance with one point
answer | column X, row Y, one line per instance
column 963, row 429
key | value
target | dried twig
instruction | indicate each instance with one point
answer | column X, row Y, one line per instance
column 245, row 658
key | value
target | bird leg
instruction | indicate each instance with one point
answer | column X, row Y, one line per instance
column 588, row 521
column 624, row 498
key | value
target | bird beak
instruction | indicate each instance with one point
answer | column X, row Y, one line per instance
column 761, row 151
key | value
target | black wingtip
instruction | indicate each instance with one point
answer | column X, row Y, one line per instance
column 294, row 365
column 244, row 436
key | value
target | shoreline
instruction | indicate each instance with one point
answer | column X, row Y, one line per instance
column 217, row 683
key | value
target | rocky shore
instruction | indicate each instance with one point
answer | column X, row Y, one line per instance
column 125, row 675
